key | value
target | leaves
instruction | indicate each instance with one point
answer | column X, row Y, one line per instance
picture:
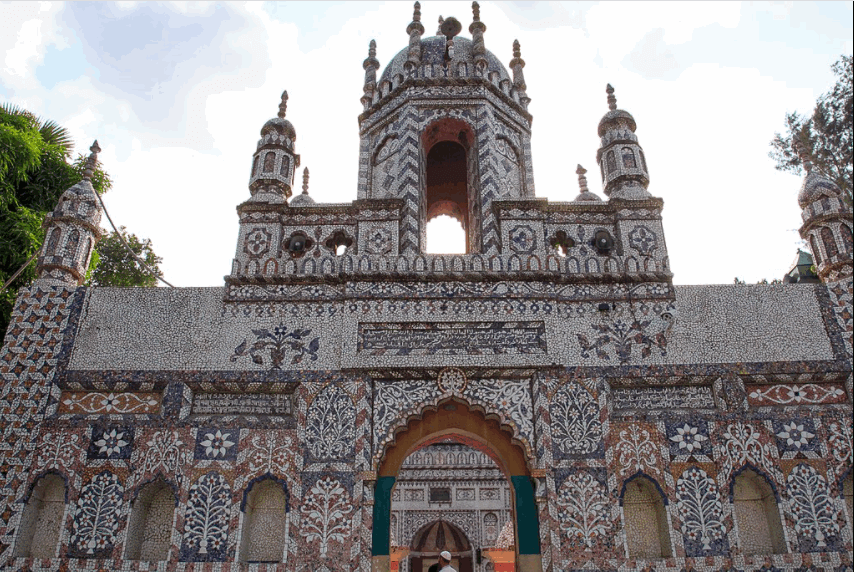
column 117, row 267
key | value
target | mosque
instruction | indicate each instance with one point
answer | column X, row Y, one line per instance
column 546, row 401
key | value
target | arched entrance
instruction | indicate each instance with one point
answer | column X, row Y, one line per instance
column 455, row 418
column 435, row 537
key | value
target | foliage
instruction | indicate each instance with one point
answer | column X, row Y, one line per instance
column 116, row 266
column 826, row 135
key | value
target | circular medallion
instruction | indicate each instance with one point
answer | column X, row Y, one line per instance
column 452, row 380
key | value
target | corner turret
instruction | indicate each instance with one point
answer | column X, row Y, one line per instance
column 71, row 232
column 275, row 161
column 620, row 156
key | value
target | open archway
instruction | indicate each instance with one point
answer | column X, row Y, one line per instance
column 456, row 420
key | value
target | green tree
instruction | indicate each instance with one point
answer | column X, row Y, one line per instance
column 117, row 267
column 826, row 135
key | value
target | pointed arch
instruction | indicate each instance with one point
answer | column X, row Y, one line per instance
column 265, row 520
column 645, row 517
column 754, row 498
column 151, row 521
column 43, row 516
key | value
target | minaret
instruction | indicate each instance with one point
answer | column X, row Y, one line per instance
column 827, row 223
column 415, row 29
column 71, row 232
column 371, row 65
column 516, row 64
column 620, row 157
column 477, row 28
column 275, row 161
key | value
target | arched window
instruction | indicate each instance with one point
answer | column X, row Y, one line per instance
column 612, row 162
column 647, row 533
column 265, row 519
column 150, row 525
column 269, row 161
column 41, row 522
column 759, row 528
column 71, row 245
column 53, row 241
column 629, row 158
column 829, row 242
column 490, row 527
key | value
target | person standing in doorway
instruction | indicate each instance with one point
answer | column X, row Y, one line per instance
column 445, row 562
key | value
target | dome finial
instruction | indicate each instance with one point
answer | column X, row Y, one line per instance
column 475, row 9
column 371, row 65
column 283, row 106
column 305, row 181
column 477, row 28
column 582, row 180
column 517, row 49
column 416, row 12
column 801, row 152
column 91, row 161
column 612, row 101
column 415, row 29
column 372, row 49
column 519, row 86
column 439, row 29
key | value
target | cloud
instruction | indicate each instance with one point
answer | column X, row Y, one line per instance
column 26, row 29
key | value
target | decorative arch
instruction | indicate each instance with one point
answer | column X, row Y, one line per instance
column 149, row 535
column 265, row 508
column 43, row 516
column 645, row 517
column 754, row 499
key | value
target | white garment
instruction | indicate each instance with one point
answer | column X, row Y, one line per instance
column 447, row 569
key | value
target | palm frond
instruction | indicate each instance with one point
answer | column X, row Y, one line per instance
column 55, row 134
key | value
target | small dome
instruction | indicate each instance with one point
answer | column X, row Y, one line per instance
column 433, row 52
column 79, row 202
column 815, row 187
column 281, row 127
column 614, row 119
column 302, row 200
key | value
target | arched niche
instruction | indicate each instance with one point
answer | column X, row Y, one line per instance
column 151, row 522
column 760, row 530
column 265, row 521
column 41, row 523
column 647, row 530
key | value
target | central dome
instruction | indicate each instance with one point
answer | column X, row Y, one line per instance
column 433, row 53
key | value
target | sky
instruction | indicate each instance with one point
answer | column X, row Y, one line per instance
column 176, row 95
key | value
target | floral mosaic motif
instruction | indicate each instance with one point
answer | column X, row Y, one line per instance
column 643, row 240
column 623, row 336
column 257, row 242
column 512, row 398
column 795, row 435
column 839, row 438
column 812, row 507
column 805, row 394
column 522, row 239
column 268, row 454
column 378, row 241
column 742, row 443
column 57, row 450
column 326, row 513
column 635, row 451
column 216, row 444
column 688, row 438
column 330, row 426
column 701, row 512
column 96, row 517
column 277, row 344
column 110, row 443
column 576, row 427
column 97, row 402
column 206, row 520
column 452, row 380
column 392, row 399
column 583, row 511
column 164, row 453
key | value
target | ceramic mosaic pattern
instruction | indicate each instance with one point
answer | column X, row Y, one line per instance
column 302, row 367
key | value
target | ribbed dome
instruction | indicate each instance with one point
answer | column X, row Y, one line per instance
column 433, row 52
column 302, row 200
column 815, row 187
column 615, row 119
column 440, row 535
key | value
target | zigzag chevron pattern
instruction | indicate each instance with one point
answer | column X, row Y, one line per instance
column 409, row 186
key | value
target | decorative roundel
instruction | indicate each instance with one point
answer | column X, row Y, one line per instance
column 452, row 380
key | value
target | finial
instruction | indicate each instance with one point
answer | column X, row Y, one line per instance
column 612, row 101
column 283, row 106
column 89, row 169
column 517, row 51
column 372, row 49
column 416, row 14
column 582, row 180
column 800, row 151
column 305, row 181
column 475, row 8
column 439, row 30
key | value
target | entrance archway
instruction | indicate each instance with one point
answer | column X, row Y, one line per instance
column 455, row 418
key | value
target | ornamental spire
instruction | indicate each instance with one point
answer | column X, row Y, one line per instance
column 612, row 101
column 283, row 106
column 305, row 181
column 439, row 29
column 91, row 161
column 415, row 29
column 477, row 28
column 516, row 64
column 801, row 152
column 371, row 65
column 585, row 194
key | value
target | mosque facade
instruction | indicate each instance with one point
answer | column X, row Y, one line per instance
column 282, row 421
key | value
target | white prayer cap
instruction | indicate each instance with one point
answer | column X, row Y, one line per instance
column 446, row 555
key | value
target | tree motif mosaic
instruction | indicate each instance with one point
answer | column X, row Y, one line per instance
column 584, row 511
column 267, row 453
column 635, row 451
column 164, row 453
column 96, row 517
column 273, row 347
column 57, row 450
column 742, row 443
column 110, row 443
column 812, row 506
column 330, row 426
column 576, row 427
column 621, row 337
column 326, row 513
column 701, row 512
column 206, row 520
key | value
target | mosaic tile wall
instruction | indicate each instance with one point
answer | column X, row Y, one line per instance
column 244, row 427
